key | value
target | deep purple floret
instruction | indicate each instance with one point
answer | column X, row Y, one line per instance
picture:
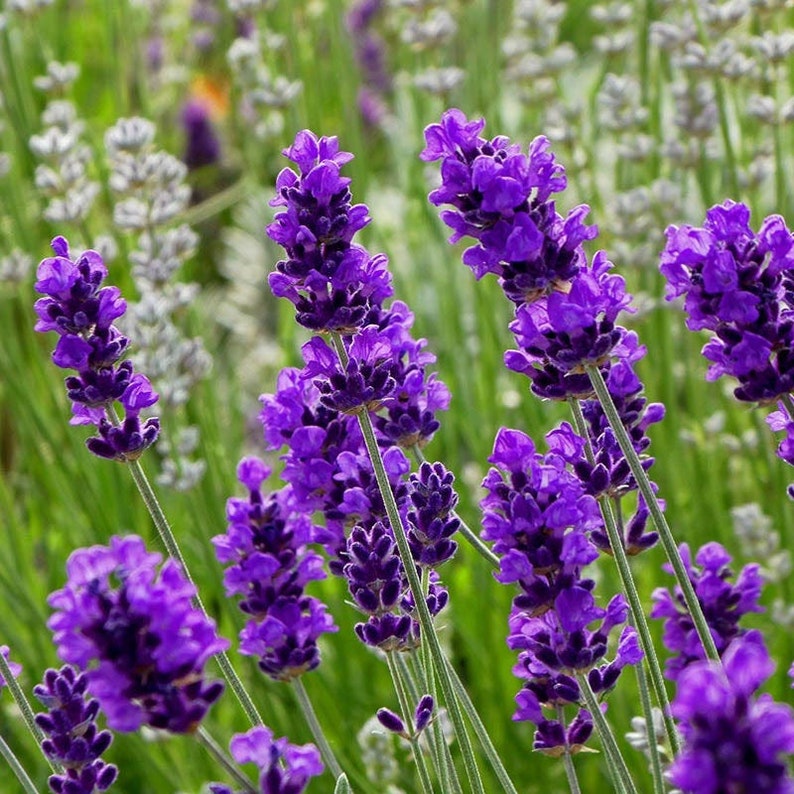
column 501, row 198
column 131, row 625
column 430, row 523
column 269, row 565
column 284, row 768
column 73, row 739
column 738, row 284
column 724, row 603
column 81, row 311
column 331, row 281
column 567, row 331
column 734, row 740
column 377, row 583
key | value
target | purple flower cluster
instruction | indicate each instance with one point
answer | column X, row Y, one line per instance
column 501, row 198
column 566, row 310
column 73, row 740
column 375, row 366
column 81, row 311
column 733, row 739
column 740, row 285
column 724, row 603
column 332, row 282
column 284, row 768
column 202, row 146
column 133, row 627
column 269, row 565
column 539, row 516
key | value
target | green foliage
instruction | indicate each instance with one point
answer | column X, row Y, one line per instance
column 55, row 497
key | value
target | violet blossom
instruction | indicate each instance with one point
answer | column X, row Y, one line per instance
column 130, row 624
column 81, row 311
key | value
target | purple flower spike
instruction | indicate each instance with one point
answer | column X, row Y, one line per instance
column 265, row 549
column 284, row 768
column 430, row 524
column 81, row 311
column 738, row 284
column 73, row 740
column 501, row 198
column 724, row 604
column 133, row 627
column 733, row 740
column 332, row 282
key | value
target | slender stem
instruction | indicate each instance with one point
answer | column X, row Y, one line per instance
column 16, row 767
column 482, row 734
column 423, row 613
column 607, row 737
column 567, row 759
column 650, row 730
column 465, row 530
column 630, row 589
column 217, row 752
column 401, row 688
column 447, row 774
column 659, row 520
column 310, row 716
column 23, row 705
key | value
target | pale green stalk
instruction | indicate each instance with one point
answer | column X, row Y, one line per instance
column 567, row 758
column 659, row 520
column 607, row 736
column 400, row 687
column 447, row 774
column 16, row 767
column 429, row 634
column 310, row 716
column 616, row 543
column 217, row 752
column 22, row 703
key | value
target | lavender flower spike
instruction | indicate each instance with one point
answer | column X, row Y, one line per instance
column 73, row 740
column 133, row 627
column 15, row 668
column 81, row 311
column 284, row 768
column 733, row 741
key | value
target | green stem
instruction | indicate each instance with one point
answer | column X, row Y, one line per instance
column 447, row 774
column 616, row 543
column 567, row 759
column 216, row 751
column 16, row 767
column 607, row 737
column 650, row 730
column 24, row 707
column 401, row 688
column 423, row 613
column 310, row 716
column 465, row 530
column 482, row 734
column 659, row 520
